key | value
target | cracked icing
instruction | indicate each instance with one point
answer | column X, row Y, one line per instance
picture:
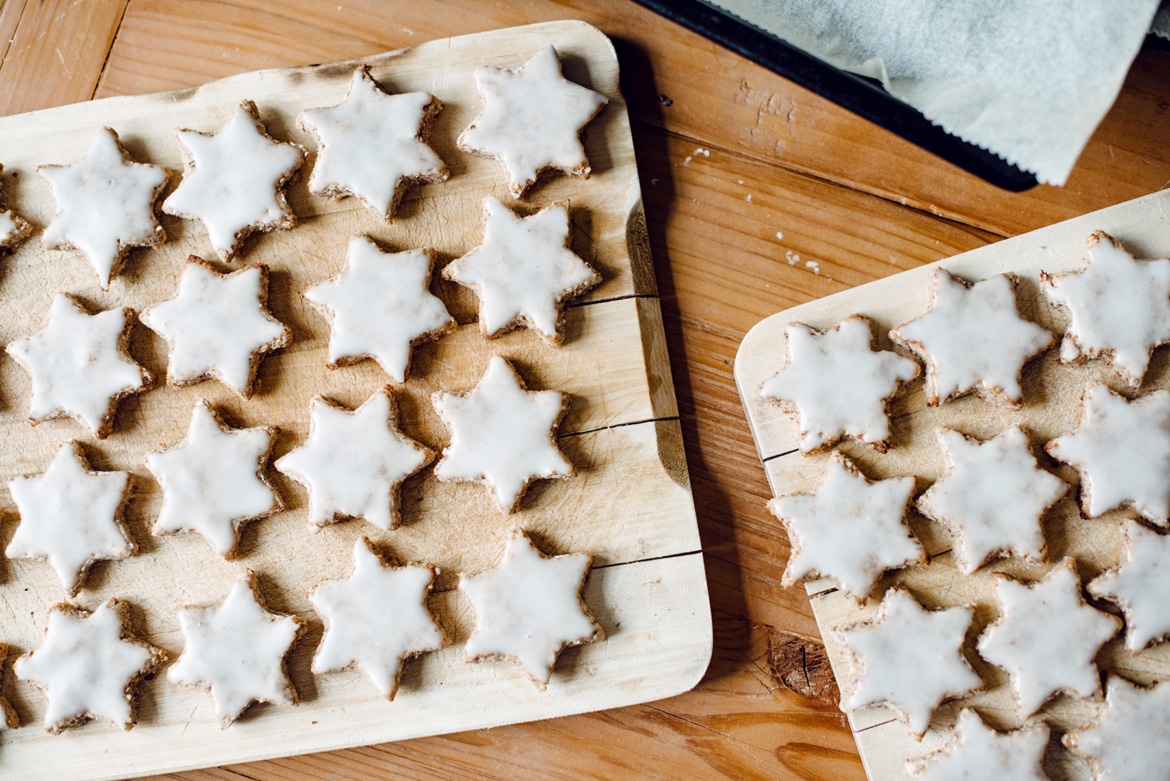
column 354, row 463
column 524, row 271
column 233, row 180
column 380, row 306
column 213, row 481
column 868, row 516
column 1128, row 742
column 909, row 658
column 218, row 326
column 979, row 752
column 1122, row 452
column 973, row 338
column 105, row 205
column 837, row 385
column 532, row 120
column 376, row 619
column 991, row 497
column 1118, row 307
column 371, row 144
column 79, row 365
column 1139, row 584
column 1046, row 637
column 237, row 651
column 528, row 608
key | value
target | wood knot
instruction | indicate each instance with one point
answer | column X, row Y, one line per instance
column 802, row 666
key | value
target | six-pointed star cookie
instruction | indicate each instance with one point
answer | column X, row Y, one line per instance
column 837, row 385
column 233, row 181
column 529, row 607
column 79, row 365
column 1046, row 637
column 218, row 325
column 502, row 435
column 1139, row 584
column 376, row 619
column 371, row 144
column 71, row 515
column 973, row 338
column 979, row 752
column 13, row 229
column 89, row 665
column 1128, row 742
column 991, row 498
column 105, row 205
column 532, row 120
column 353, row 463
column 524, row 271
column 213, row 482
column 909, row 658
column 380, row 307
column 848, row 508
column 237, row 650
column 1118, row 307
column 1122, row 451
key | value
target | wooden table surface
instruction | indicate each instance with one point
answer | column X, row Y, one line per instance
column 759, row 196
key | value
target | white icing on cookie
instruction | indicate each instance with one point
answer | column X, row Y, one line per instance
column 237, row 650
column 218, row 326
column 1118, row 307
column 991, row 498
column 371, row 144
column 379, row 307
column 502, row 435
column 837, row 384
column 1128, row 743
column 354, row 463
column 524, row 271
column 979, row 752
column 89, row 666
column 213, row 482
column 1122, row 451
column 79, row 365
column 105, row 205
column 376, row 619
column 850, row 529
column 233, row 180
column 909, row 658
column 973, row 338
column 529, row 607
column 531, row 120
column 1046, row 637
column 1139, row 584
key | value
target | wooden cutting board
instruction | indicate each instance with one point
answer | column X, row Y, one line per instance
column 630, row 505
column 1051, row 408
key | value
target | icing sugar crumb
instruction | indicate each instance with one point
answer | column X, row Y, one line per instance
column 791, row 257
column 748, row 198
column 813, row 266
column 779, row 234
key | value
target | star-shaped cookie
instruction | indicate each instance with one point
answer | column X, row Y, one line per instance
column 218, row 326
column 1118, row 307
column 532, row 120
column 850, row 529
column 977, row 751
column 502, row 435
column 371, row 144
column 529, row 608
column 1139, row 585
column 105, row 205
column 213, row 482
column 1046, row 637
column 991, row 497
column 354, row 463
column 524, row 271
column 836, row 384
column 1122, row 451
column 973, row 338
column 376, row 619
column 909, row 658
column 380, row 307
column 237, row 651
column 1128, row 742
column 233, row 181
column 79, row 365
column 13, row 229
column 89, row 665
